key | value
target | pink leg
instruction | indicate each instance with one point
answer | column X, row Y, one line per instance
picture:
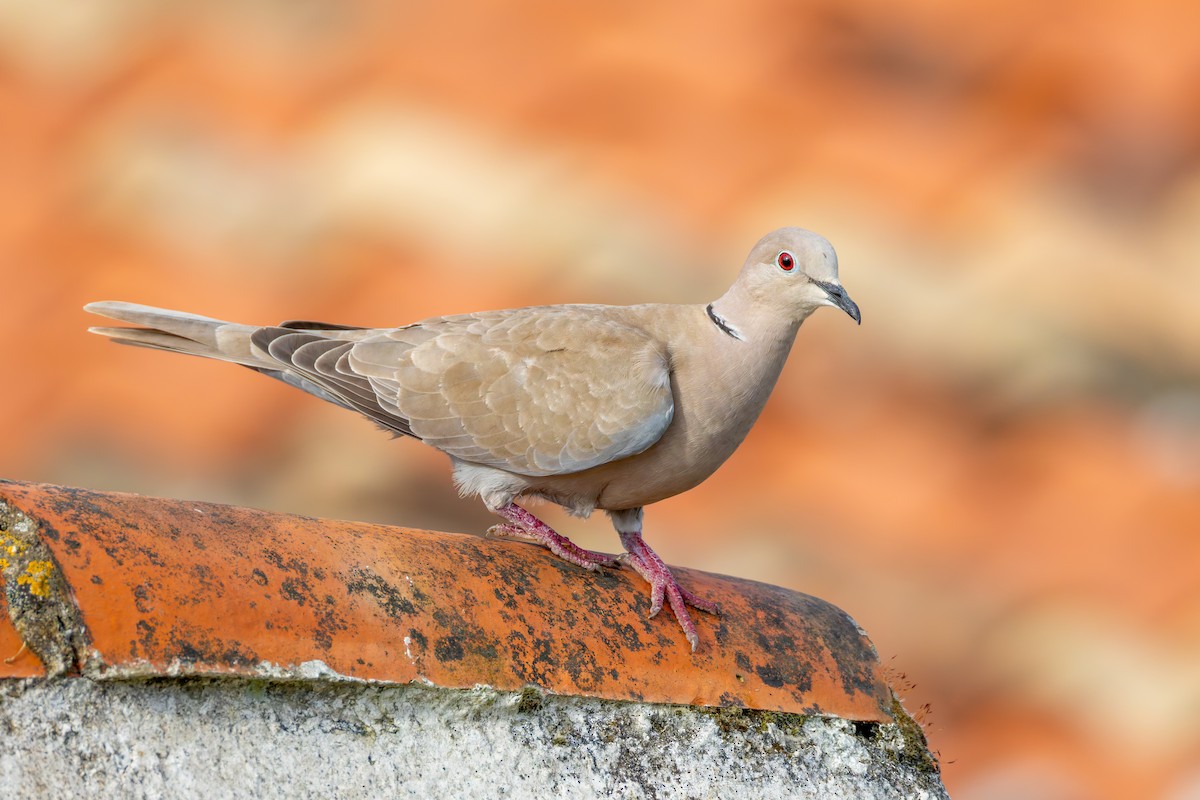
column 663, row 585
column 523, row 525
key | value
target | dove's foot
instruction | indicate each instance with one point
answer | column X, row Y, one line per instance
column 523, row 525
column 663, row 585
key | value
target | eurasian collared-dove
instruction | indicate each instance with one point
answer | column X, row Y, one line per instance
column 588, row 406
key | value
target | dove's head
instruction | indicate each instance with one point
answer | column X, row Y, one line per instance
column 795, row 271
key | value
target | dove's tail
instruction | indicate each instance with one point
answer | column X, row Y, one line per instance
column 192, row 334
column 180, row 332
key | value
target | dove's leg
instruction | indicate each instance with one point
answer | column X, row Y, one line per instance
column 523, row 525
column 662, row 583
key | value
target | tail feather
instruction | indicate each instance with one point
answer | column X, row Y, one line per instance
column 148, row 337
column 179, row 332
column 292, row 352
column 180, row 323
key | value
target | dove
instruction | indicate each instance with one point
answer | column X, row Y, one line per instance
column 586, row 406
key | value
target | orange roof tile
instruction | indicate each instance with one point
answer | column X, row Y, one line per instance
column 176, row 587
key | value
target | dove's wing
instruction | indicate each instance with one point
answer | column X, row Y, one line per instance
column 535, row 391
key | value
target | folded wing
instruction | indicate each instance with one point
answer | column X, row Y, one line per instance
column 537, row 391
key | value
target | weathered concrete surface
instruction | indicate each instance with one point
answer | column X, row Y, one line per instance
column 204, row 738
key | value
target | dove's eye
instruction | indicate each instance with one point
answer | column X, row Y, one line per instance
column 785, row 261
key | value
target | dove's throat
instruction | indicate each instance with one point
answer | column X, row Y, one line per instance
column 726, row 380
column 754, row 322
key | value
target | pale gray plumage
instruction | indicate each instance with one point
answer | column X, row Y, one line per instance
column 588, row 406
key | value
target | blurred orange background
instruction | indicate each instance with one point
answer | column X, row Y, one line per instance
column 998, row 474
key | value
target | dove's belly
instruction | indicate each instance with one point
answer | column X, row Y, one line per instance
column 664, row 470
column 630, row 483
column 673, row 466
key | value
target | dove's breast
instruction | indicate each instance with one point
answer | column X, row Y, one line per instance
column 719, row 386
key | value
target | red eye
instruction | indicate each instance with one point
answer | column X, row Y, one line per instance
column 785, row 261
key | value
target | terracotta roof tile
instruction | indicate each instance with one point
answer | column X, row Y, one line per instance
column 177, row 587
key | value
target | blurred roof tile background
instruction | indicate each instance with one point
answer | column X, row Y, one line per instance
column 998, row 474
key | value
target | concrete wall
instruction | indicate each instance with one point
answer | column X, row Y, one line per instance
column 205, row 738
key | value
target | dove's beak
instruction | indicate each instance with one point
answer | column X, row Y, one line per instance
column 839, row 298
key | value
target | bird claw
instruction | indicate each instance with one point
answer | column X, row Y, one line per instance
column 707, row 606
column 506, row 530
column 525, row 526
column 664, row 588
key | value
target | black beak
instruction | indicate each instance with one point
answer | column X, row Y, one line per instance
column 842, row 300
